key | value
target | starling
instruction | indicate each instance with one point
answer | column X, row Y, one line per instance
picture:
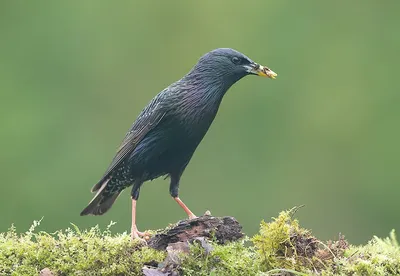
column 163, row 138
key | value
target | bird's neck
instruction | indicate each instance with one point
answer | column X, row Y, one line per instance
column 203, row 92
column 198, row 101
column 209, row 84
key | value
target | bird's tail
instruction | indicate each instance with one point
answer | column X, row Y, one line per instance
column 101, row 202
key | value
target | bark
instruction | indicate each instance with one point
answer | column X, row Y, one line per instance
column 223, row 229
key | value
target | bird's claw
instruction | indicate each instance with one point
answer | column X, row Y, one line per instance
column 192, row 216
column 136, row 234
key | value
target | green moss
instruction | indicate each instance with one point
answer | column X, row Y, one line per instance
column 275, row 244
column 378, row 257
column 232, row 259
column 73, row 252
column 281, row 247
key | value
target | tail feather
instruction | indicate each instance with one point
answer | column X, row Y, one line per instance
column 100, row 203
column 96, row 187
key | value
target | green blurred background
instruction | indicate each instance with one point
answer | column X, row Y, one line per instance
column 75, row 74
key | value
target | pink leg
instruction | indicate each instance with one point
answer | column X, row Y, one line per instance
column 185, row 208
column 134, row 231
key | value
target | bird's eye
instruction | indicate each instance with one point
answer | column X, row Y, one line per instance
column 236, row 60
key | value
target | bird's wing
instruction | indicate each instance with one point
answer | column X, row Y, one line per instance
column 148, row 119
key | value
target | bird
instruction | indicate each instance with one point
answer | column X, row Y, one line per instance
column 162, row 140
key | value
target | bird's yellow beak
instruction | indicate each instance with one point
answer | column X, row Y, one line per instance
column 263, row 71
column 266, row 72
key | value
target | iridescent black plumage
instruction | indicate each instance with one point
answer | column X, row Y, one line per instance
column 167, row 132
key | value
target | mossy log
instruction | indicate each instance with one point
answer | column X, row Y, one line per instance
column 203, row 246
column 176, row 240
column 223, row 229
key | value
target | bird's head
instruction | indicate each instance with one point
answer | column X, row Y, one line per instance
column 231, row 65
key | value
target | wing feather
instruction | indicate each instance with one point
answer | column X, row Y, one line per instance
column 148, row 119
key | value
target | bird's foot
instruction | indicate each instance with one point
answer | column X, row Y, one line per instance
column 136, row 234
column 192, row 216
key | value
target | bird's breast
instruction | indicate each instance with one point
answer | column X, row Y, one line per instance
column 195, row 114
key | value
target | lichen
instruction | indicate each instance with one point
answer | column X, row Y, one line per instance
column 281, row 247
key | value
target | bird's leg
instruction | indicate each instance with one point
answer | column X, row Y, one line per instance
column 134, row 231
column 185, row 208
column 135, row 196
column 174, row 189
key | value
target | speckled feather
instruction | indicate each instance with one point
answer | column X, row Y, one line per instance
column 165, row 135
